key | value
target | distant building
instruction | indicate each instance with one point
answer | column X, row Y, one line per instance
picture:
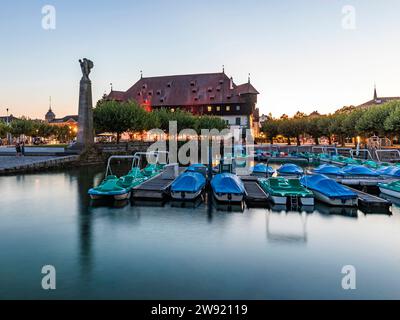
column 377, row 100
column 201, row 94
column 8, row 119
column 71, row 120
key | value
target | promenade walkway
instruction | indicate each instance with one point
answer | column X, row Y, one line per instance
column 13, row 164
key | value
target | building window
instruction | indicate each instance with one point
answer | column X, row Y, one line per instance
column 238, row 121
column 218, row 108
column 228, row 108
column 172, row 110
column 209, row 108
column 237, row 108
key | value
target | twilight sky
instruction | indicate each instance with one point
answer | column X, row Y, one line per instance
column 298, row 53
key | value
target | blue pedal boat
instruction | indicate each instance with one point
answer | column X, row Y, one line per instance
column 329, row 191
column 262, row 170
column 188, row 186
column 290, row 169
column 228, row 187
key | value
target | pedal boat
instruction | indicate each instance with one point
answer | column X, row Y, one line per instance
column 262, row 170
column 188, row 186
column 290, row 170
column 391, row 189
column 329, row 191
column 281, row 190
column 227, row 187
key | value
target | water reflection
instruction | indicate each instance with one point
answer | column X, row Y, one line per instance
column 287, row 227
column 326, row 210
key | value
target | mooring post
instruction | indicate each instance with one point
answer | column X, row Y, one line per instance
column 209, row 176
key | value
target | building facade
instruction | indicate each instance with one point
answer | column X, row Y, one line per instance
column 201, row 94
column 71, row 120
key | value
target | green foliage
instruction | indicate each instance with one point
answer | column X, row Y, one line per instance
column 373, row 119
column 3, row 129
column 22, row 126
column 271, row 129
column 392, row 122
column 63, row 134
column 116, row 117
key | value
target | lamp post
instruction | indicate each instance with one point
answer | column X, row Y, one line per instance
column 8, row 133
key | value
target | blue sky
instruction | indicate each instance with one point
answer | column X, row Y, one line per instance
column 298, row 54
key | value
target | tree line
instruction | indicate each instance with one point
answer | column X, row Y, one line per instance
column 348, row 122
column 36, row 128
column 119, row 117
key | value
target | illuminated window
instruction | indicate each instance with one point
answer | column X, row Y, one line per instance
column 228, row 108
column 237, row 108
column 218, row 108
column 172, row 110
column 209, row 108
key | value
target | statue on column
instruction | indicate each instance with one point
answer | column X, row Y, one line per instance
column 85, row 116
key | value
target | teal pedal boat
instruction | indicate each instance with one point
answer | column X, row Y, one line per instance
column 120, row 188
column 390, row 189
column 281, row 190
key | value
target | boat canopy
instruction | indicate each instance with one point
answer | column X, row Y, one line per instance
column 227, row 183
column 357, row 170
column 327, row 186
column 328, row 169
column 389, row 171
column 290, row 168
column 189, row 182
column 263, row 168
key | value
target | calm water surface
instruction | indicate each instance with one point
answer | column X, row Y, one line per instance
column 169, row 252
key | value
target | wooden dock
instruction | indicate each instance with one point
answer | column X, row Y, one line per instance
column 371, row 203
column 255, row 194
column 156, row 188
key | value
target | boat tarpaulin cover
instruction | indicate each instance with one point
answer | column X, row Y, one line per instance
column 189, row 182
column 351, row 170
column 261, row 167
column 227, row 183
column 389, row 171
column 290, row 168
column 327, row 186
column 328, row 169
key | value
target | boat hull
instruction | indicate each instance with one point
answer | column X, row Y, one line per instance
column 182, row 195
column 390, row 192
column 304, row 201
column 335, row 202
column 228, row 197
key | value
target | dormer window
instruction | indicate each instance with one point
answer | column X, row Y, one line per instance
column 158, row 92
column 192, row 83
column 221, row 81
column 218, row 88
column 194, row 90
column 209, row 89
column 212, row 97
column 144, row 86
column 150, row 93
column 169, row 84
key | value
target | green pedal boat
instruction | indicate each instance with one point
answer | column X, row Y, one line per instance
column 281, row 191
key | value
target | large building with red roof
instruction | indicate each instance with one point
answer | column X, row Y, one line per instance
column 202, row 94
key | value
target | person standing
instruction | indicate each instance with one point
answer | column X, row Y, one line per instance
column 23, row 149
column 18, row 149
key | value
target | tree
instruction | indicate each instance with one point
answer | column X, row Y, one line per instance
column 373, row 119
column 118, row 117
column 22, row 126
column 63, row 134
column 271, row 129
column 4, row 129
column 392, row 122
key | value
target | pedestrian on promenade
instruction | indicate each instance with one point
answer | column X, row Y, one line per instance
column 18, row 149
column 23, row 149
